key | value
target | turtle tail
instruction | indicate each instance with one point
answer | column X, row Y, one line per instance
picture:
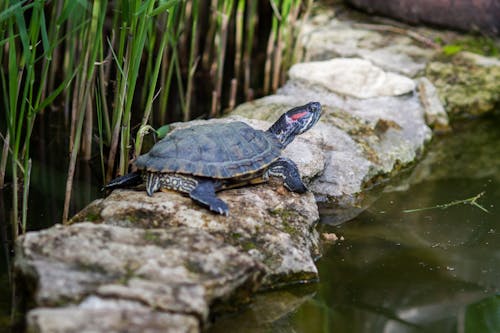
column 129, row 180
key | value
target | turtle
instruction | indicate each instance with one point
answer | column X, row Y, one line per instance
column 203, row 159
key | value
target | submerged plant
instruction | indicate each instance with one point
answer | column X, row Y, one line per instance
column 469, row 201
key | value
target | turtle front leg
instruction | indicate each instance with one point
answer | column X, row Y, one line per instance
column 286, row 169
column 204, row 194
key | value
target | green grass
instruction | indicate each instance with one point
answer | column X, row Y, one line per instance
column 117, row 68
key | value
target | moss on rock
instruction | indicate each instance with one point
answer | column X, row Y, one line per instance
column 465, row 86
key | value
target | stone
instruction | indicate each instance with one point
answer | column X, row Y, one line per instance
column 352, row 77
column 266, row 312
column 393, row 49
column 267, row 222
column 177, row 271
column 467, row 84
column 435, row 114
column 96, row 314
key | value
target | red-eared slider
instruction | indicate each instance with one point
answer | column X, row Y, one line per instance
column 201, row 160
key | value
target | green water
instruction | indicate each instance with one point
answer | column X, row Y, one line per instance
column 434, row 270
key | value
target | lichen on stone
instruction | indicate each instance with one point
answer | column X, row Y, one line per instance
column 465, row 87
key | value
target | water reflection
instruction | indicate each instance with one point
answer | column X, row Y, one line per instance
column 398, row 272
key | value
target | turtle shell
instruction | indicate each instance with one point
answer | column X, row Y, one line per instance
column 221, row 151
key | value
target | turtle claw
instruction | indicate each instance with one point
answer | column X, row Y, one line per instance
column 218, row 206
column 220, row 210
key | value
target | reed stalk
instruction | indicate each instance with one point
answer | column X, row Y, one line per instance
column 171, row 58
column 27, row 43
column 192, row 63
column 207, row 58
column 270, row 51
column 239, row 29
column 3, row 161
column 139, row 25
column 100, row 112
column 151, row 95
column 224, row 9
column 251, row 20
column 85, row 80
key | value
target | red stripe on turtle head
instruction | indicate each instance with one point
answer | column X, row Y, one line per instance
column 298, row 115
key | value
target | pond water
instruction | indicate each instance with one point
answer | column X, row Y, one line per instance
column 434, row 270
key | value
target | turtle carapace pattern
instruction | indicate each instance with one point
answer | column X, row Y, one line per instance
column 203, row 159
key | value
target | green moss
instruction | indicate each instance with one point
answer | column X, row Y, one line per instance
column 142, row 217
column 91, row 213
column 91, row 267
column 286, row 216
column 248, row 245
column 288, row 228
column 451, row 49
column 236, row 235
column 93, row 217
column 129, row 273
column 476, row 44
column 194, row 267
column 284, row 280
column 151, row 236
column 157, row 238
column 358, row 129
column 464, row 87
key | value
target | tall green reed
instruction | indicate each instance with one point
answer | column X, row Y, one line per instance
column 27, row 57
column 120, row 67
column 282, row 43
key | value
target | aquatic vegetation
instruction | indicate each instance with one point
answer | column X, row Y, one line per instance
column 116, row 67
column 469, row 201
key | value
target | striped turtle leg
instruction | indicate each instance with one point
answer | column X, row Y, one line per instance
column 153, row 183
column 287, row 169
column 204, row 194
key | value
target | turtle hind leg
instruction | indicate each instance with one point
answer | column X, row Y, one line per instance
column 204, row 194
column 153, row 183
column 286, row 169
column 129, row 180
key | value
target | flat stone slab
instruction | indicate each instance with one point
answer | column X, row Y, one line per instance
column 326, row 36
column 352, row 77
column 96, row 314
column 273, row 226
column 88, row 268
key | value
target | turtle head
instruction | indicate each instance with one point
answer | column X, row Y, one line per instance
column 295, row 121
